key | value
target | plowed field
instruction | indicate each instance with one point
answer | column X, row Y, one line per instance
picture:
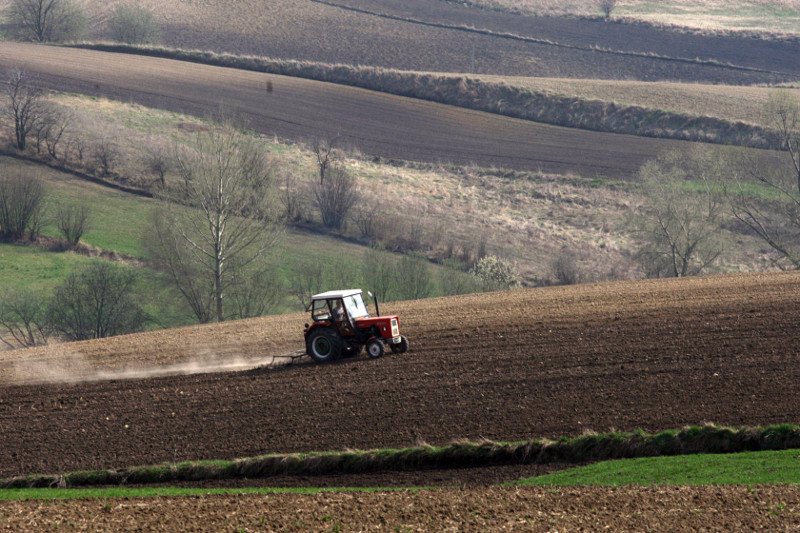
column 440, row 36
column 594, row 509
column 377, row 123
column 501, row 366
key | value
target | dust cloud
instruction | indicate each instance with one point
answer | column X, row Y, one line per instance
column 70, row 367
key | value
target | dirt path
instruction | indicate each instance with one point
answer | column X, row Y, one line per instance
column 501, row 366
column 378, row 124
column 772, row 508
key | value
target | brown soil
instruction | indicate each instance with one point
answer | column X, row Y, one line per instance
column 503, row 366
column 379, row 124
column 480, row 509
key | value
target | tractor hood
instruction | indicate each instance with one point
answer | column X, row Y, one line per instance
column 388, row 326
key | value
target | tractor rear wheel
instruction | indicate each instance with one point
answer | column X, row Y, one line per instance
column 324, row 345
column 402, row 346
column 375, row 348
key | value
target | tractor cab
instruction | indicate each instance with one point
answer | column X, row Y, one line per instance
column 342, row 325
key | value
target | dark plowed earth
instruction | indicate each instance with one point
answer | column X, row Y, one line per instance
column 377, row 123
column 446, row 36
column 501, row 366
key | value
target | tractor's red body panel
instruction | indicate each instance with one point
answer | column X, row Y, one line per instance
column 383, row 325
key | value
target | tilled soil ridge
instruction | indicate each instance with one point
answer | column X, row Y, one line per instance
column 775, row 508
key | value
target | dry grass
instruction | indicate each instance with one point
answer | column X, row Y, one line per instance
column 529, row 218
column 768, row 16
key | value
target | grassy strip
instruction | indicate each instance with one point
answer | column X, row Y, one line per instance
column 593, row 447
column 749, row 468
column 482, row 95
column 154, row 492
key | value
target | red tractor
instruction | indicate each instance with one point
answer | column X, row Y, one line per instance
column 342, row 326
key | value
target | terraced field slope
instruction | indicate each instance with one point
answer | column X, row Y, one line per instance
column 378, row 124
column 502, row 366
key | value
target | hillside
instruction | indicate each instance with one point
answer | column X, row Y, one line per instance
column 376, row 123
column 405, row 34
column 506, row 366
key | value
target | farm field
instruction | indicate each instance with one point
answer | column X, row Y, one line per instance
column 544, row 362
column 479, row 509
column 378, row 124
column 403, row 34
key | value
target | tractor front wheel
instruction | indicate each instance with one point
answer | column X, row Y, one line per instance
column 402, row 346
column 324, row 345
column 375, row 348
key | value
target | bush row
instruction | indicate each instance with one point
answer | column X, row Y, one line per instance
column 589, row 447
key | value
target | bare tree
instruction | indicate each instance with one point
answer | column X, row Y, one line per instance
column 133, row 24
column 21, row 205
column 336, row 196
column 766, row 196
column 49, row 129
column 607, row 7
column 22, row 319
column 327, row 154
column 47, row 20
column 679, row 226
column 106, row 156
column 73, row 222
column 229, row 224
column 158, row 162
column 24, row 105
column 94, row 303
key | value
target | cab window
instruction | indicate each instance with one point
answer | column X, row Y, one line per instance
column 355, row 306
column 320, row 311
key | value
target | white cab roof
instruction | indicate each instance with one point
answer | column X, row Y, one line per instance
column 331, row 295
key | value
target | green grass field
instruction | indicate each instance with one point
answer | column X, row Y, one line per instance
column 119, row 221
column 750, row 468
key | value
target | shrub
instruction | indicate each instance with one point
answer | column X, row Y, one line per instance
column 335, row 195
column 378, row 268
column 413, row 280
column 565, row 269
column 497, row 273
column 73, row 221
column 133, row 24
column 22, row 319
column 454, row 281
column 94, row 303
column 21, row 206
